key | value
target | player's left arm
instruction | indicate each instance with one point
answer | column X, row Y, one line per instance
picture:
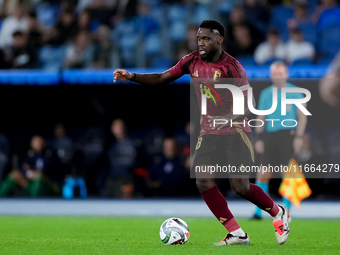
column 300, row 130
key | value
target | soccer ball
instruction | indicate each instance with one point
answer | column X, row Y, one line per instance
column 174, row 231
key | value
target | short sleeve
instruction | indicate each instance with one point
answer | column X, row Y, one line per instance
column 240, row 78
column 182, row 67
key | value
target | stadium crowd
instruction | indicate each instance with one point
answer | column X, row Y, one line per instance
column 155, row 33
column 112, row 165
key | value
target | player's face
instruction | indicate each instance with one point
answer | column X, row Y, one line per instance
column 209, row 42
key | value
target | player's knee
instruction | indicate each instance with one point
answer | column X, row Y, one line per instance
column 240, row 190
column 204, row 184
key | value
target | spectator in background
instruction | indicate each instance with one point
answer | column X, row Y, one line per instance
column 79, row 53
column 22, row 55
column 300, row 16
column 144, row 21
column 35, row 30
column 5, row 152
column 256, row 13
column 16, row 22
column 185, row 149
column 327, row 13
column 7, row 7
column 272, row 49
column 64, row 30
column 183, row 139
column 65, row 4
column 124, row 10
column 84, row 20
column 3, row 61
column 297, row 48
column 243, row 44
column 122, row 159
column 103, row 48
column 100, row 10
column 63, row 148
column 167, row 172
column 237, row 17
column 190, row 43
column 154, row 142
column 90, row 157
column 109, row 12
column 34, row 175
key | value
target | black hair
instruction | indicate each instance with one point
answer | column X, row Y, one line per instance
column 296, row 31
column 32, row 14
column 213, row 24
column 274, row 31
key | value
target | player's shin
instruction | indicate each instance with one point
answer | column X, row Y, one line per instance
column 219, row 207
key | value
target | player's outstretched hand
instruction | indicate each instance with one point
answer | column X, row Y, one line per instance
column 121, row 75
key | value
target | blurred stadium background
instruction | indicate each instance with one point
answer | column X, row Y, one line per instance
column 124, row 139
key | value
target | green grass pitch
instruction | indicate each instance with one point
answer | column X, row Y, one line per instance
column 91, row 235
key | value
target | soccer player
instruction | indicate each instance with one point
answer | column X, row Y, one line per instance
column 206, row 62
column 282, row 142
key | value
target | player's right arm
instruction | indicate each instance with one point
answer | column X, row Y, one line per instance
column 147, row 78
column 175, row 72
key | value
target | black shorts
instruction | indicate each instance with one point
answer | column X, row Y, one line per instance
column 225, row 150
column 278, row 147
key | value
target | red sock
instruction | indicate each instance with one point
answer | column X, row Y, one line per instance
column 219, row 207
column 258, row 197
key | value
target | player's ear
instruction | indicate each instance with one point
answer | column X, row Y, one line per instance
column 220, row 40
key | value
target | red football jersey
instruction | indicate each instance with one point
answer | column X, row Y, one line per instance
column 205, row 76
